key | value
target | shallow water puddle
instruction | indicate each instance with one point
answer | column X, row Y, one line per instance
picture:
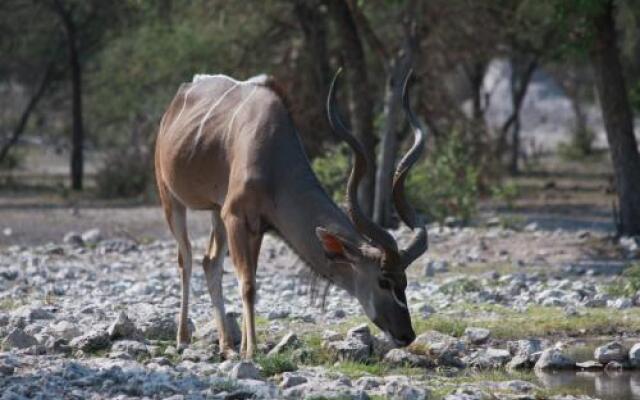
column 622, row 385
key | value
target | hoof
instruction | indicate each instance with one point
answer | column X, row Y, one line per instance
column 181, row 346
column 229, row 354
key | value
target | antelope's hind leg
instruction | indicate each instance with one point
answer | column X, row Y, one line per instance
column 213, row 268
column 176, row 214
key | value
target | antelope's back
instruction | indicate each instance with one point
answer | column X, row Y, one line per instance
column 218, row 129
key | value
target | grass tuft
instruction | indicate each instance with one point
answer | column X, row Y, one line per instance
column 276, row 364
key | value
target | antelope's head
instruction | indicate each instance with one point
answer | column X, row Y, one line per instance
column 379, row 265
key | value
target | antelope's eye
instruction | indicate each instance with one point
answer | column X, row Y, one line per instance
column 385, row 284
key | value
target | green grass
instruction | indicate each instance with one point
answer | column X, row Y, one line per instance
column 537, row 321
column 224, row 385
column 276, row 364
column 355, row 369
column 627, row 284
column 8, row 304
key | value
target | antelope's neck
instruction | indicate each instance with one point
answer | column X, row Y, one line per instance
column 300, row 210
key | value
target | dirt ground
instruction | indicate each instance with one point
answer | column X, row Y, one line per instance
column 554, row 194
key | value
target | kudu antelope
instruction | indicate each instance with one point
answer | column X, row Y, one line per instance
column 231, row 147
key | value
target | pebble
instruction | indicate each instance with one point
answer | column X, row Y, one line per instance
column 612, row 351
column 244, row 370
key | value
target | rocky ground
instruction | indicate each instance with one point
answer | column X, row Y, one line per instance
column 94, row 316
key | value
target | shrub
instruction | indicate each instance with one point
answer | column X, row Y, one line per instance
column 276, row 364
column 446, row 183
column 628, row 284
column 506, row 193
column 124, row 175
column 580, row 146
column 333, row 171
column 13, row 160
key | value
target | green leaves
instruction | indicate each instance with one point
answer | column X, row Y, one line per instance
column 446, row 184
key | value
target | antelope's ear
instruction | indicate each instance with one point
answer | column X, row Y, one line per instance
column 336, row 247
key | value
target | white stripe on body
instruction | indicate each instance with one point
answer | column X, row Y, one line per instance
column 206, row 116
column 235, row 113
column 184, row 103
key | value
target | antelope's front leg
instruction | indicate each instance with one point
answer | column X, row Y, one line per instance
column 244, row 246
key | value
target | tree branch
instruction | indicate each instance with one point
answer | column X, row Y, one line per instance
column 28, row 110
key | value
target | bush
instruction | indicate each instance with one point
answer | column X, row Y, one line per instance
column 13, row 160
column 124, row 175
column 628, row 284
column 506, row 193
column 580, row 146
column 333, row 171
column 446, row 183
column 276, row 364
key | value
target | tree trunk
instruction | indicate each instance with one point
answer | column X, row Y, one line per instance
column 384, row 175
column 73, row 54
column 28, row 110
column 77, row 141
column 521, row 77
column 521, row 74
column 361, row 102
column 313, row 66
column 618, row 120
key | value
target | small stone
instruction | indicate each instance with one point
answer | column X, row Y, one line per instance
column 6, row 369
column 361, row 333
column 18, row 339
column 74, row 239
column 122, row 328
column 92, row 237
column 331, row 336
column 339, row 313
column 553, row 358
column 170, row 351
column 426, row 310
column 245, row 370
column 612, row 351
column 65, row 330
column 402, row 358
column 490, row 358
column 401, row 390
column 634, row 355
column 621, row 303
column 446, row 349
column 191, row 355
column 92, row 341
column 130, row 347
column 570, row 310
column 277, row 314
column 288, row 342
column 291, row 380
column 591, row 365
column 349, row 350
column 477, row 336
column 381, row 345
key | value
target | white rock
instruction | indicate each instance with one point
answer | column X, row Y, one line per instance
column 477, row 335
column 65, row 330
column 245, row 370
column 634, row 355
column 18, row 339
column 92, row 237
column 288, row 342
column 612, row 351
column 554, row 359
